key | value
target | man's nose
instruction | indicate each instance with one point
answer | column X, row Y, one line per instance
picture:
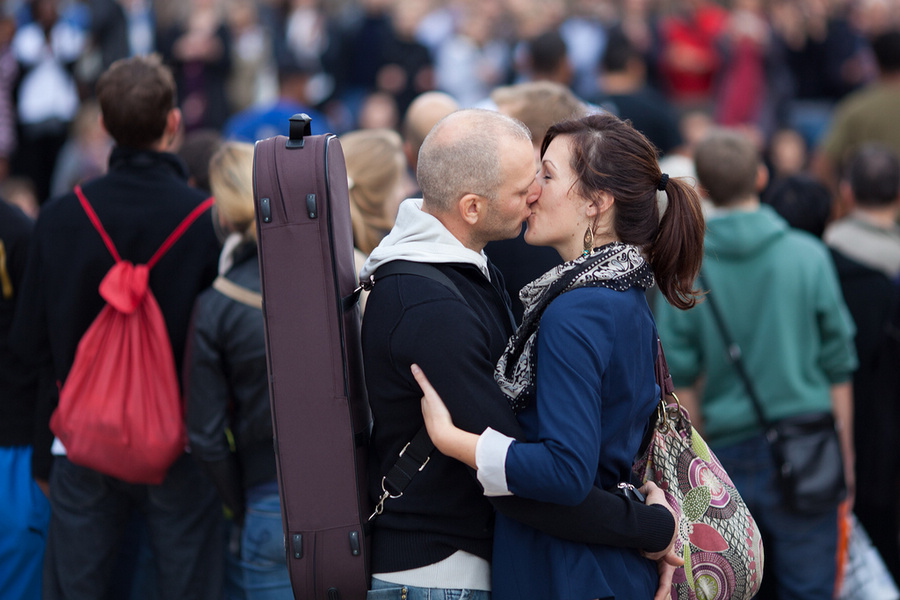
column 534, row 192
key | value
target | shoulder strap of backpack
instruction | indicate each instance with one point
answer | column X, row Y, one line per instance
column 179, row 231
column 236, row 292
column 170, row 241
column 402, row 267
column 95, row 221
column 408, row 267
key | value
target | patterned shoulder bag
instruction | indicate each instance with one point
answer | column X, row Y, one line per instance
column 717, row 536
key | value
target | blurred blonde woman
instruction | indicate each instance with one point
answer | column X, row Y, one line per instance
column 228, row 385
column 378, row 181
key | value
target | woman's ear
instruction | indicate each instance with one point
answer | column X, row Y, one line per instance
column 599, row 204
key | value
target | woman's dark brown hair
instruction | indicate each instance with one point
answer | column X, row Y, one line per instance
column 608, row 154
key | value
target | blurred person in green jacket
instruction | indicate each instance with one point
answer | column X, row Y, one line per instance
column 778, row 291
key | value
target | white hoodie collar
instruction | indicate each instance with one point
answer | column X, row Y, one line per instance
column 420, row 237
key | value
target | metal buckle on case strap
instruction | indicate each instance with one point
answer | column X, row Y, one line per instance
column 366, row 285
column 422, row 466
column 379, row 508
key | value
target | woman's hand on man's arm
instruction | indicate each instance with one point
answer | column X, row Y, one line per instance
column 446, row 437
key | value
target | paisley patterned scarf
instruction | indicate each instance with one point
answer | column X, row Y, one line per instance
column 616, row 266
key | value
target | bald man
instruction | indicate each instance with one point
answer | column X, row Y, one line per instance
column 423, row 113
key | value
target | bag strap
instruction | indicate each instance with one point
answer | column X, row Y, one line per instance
column 179, row 231
column 663, row 377
column 166, row 245
column 236, row 292
column 408, row 267
column 733, row 351
column 666, row 388
column 773, row 437
column 416, row 454
column 95, row 221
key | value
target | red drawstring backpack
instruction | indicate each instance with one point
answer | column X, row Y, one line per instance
column 120, row 409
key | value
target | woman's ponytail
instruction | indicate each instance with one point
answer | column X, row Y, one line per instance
column 677, row 252
column 609, row 154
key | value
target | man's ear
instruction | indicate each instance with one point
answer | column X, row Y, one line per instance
column 472, row 208
column 762, row 178
column 173, row 123
column 103, row 124
column 408, row 152
column 845, row 195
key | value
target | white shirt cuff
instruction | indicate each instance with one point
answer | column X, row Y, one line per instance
column 490, row 459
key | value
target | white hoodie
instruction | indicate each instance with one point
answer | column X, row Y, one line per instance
column 420, row 237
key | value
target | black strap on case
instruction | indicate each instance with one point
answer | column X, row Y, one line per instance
column 417, row 452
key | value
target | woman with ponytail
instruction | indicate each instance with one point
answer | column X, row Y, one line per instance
column 579, row 371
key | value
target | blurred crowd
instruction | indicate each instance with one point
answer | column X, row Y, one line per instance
column 774, row 67
column 808, row 81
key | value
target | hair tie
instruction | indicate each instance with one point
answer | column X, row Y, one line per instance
column 662, row 182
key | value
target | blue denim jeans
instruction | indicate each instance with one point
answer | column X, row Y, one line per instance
column 263, row 559
column 24, row 517
column 382, row 590
column 800, row 550
column 89, row 515
column 234, row 570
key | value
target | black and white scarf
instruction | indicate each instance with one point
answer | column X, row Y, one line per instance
column 616, row 266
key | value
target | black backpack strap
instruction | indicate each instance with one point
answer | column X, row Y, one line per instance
column 415, row 454
column 406, row 267
column 401, row 267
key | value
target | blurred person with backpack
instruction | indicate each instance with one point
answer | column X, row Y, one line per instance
column 143, row 200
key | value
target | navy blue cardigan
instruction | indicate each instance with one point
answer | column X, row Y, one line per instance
column 596, row 390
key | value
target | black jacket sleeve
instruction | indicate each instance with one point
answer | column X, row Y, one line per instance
column 603, row 518
column 208, row 403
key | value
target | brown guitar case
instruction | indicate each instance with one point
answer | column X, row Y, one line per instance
column 317, row 390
